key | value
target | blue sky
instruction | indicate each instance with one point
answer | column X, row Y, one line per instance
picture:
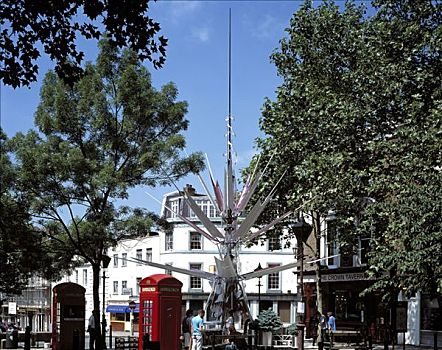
column 197, row 62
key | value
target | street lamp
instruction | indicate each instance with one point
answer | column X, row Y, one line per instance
column 259, row 268
column 105, row 260
column 132, row 306
column 301, row 230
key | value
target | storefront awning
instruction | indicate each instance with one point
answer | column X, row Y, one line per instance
column 121, row 309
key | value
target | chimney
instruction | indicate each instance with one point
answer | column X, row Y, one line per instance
column 189, row 190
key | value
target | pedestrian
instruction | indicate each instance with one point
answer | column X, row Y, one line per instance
column 229, row 322
column 92, row 330
column 197, row 330
column 331, row 323
column 321, row 329
column 314, row 321
column 186, row 325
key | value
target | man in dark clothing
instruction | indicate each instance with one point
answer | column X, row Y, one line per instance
column 185, row 327
column 92, row 330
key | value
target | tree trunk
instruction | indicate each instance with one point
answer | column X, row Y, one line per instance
column 96, row 296
column 317, row 233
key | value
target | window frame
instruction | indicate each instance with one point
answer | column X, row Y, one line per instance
column 194, row 279
column 168, row 241
column 149, row 255
column 139, row 255
column 274, row 275
column 200, row 241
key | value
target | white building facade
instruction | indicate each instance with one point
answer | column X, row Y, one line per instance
column 185, row 248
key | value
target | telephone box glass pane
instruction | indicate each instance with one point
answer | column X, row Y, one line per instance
column 147, row 317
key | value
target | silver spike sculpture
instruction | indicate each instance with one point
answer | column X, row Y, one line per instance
column 227, row 284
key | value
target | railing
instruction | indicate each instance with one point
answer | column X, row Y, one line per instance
column 129, row 343
column 283, row 341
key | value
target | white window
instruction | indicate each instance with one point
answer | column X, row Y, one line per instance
column 195, row 282
column 124, row 259
column 139, row 256
column 169, row 241
column 115, row 260
column 195, row 241
column 273, row 279
column 212, row 212
column 175, row 206
column 115, row 287
column 137, row 287
column 123, row 287
column 84, row 277
column 166, row 271
column 148, row 254
column 76, row 276
column 274, row 243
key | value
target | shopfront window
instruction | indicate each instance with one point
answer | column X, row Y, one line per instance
column 348, row 305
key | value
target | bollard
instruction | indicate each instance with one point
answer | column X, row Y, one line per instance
column 15, row 338
column 76, row 339
column 27, row 345
column 213, row 341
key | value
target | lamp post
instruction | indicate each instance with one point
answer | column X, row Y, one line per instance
column 132, row 306
column 105, row 260
column 301, row 230
column 259, row 268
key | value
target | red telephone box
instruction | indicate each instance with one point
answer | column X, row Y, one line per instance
column 68, row 319
column 160, row 312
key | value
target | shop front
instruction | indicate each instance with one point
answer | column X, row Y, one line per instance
column 341, row 295
column 120, row 319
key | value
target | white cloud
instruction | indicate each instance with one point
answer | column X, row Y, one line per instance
column 180, row 9
column 265, row 27
column 201, row 34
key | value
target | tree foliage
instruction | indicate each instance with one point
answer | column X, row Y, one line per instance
column 108, row 133
column 356, row 122
column 53, row 27
column 24, row 250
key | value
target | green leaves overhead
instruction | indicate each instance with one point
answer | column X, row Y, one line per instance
column 109, row 132
column 357, row 123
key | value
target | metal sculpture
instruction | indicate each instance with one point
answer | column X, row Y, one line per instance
column 227, row 284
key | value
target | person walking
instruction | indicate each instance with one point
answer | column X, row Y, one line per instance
column 229, row 322
column 314, row 321
column 91, row 330
column 331, row 323
column 322, row 328
column 197, row 330
column 186, row 325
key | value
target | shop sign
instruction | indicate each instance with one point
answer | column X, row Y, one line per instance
column 344, row 277
column 12, row 308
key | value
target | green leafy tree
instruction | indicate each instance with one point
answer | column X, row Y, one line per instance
column 356, row 122
column 108, row 133
column 24, row 250
column 30, row 28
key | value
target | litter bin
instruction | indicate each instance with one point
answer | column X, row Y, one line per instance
column 11, row 339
